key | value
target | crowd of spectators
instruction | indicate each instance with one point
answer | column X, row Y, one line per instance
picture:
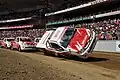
column 105, row 30
column 32, row 33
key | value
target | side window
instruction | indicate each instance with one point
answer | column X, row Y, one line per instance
column 67, row 37
column 17, row 39
column 57, row 47
column 37, row 40
column 5, row 40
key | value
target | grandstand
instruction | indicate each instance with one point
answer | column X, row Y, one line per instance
column 26, row 27
column 17, row 20
column 99, row 15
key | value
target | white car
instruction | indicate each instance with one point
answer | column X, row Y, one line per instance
column 72, row 41
column 23, row 43
column 43, row 41
column 6, row 42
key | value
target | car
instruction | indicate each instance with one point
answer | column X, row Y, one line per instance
column 67, row 41
column 1, row 43
column 23, row 43
column 43, row 41
column 6, row 42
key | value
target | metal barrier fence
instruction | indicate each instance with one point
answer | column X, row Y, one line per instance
column 108, row 46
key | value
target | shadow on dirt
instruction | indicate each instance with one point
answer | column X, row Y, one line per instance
column 90, row 59
column 31, row 51
column 74, row 58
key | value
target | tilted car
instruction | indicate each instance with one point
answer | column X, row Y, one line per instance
column 72, row 41
column 43, row 41
column 23, row 43
column 6, row 42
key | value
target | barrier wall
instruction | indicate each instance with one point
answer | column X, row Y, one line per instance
column 108, row 46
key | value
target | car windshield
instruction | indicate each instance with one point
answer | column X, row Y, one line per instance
column 67, row 37
column 10, row 39
column 25, row 39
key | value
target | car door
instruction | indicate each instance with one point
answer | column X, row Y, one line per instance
column 80, row 39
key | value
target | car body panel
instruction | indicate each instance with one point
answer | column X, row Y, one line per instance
column 24, row 43
column 43, row 41
column 57, row 35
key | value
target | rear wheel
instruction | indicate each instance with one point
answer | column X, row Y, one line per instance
column 57, row 54
column 11, row 47
column 45, row 52
column 6, row 46
column 0, row 45
column 19, row 49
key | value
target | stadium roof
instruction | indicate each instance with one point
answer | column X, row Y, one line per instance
column 13, row 5
column 7, row 6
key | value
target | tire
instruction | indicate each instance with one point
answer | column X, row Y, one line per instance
column 11, row 48
column 6, row 46
column 0, row 45
column 19, row 49
column 56, row 54
column 45, row 52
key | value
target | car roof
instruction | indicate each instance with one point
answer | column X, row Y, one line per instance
column 9, row 38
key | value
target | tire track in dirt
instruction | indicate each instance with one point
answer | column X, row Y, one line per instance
column 83, row 70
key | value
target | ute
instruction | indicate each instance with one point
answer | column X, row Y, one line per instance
column 6, row 42
column 67, row 41
column 23, row 43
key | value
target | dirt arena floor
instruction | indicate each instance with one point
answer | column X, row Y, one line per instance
column 16, row 65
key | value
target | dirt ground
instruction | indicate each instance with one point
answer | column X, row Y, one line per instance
column 16, row 65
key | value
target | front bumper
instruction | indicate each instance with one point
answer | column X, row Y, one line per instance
column 28, row 48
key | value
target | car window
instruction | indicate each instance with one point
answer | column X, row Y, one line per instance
column 17, row 39
column 37, row 40
column 5, row 40
column 10, row 39
column 67, row 37
column 57, row 47
column 25, row 39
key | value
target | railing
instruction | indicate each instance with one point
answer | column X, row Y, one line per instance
column 77, row 7
column 83, row 18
